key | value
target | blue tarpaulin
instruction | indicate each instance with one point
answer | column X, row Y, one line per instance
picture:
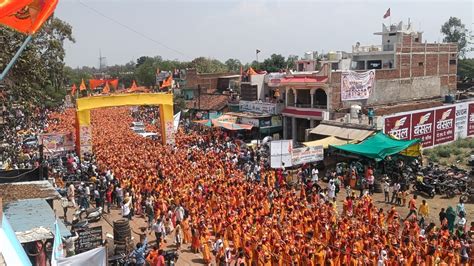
column 32, row 220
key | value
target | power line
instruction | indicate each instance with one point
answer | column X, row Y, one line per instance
column 131, row 29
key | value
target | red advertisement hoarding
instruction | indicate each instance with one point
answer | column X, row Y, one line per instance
column 470, row 120
column 398, row 126
column 445, row 123
column 423, row 127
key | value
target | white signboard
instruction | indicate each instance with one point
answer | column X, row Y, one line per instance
column 357, row 86
column 280, row 152
column 461, row 120
column 256, row 107
column 307, row 155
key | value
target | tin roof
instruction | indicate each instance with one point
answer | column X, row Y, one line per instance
column 32, row 220
column 28, row 190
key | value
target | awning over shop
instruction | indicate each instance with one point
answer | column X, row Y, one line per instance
column 342, row 132
column 379, row 146
column 327, row 141
column 232, row 126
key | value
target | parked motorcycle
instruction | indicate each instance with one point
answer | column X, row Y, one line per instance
column 425, row 188
column 91, row 215
column 171, row 257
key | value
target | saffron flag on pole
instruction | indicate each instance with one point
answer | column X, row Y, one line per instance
column 387, row 13
column 26, row 16
column 168, row 82
column 58, row 251
column 83, row 86
column 106, row 89
column 73, row 89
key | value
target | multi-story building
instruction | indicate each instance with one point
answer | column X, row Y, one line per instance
column 407, row 69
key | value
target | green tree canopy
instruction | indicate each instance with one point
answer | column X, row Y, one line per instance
column 275, row 63
column 455, row 31
column 39, row 73
column 466, row 68
column 233, row 65
column 208, row 65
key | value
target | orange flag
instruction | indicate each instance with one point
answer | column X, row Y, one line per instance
column 168, row 82
column 106, row 89
column 26, row 16
column 73, row 89
column 83, row 86
column 134, row 87
column 250, row 71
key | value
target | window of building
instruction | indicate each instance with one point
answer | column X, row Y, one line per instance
column 374, row 64
column 358, row 65
column 335, row 66
column 417, row 39
column 452, row 62
column 300, row 67
column 392, row 34
column 420, row 63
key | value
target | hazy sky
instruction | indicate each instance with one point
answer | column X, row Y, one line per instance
column 127, row 29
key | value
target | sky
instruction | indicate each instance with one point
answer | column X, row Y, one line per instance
column 124, row 30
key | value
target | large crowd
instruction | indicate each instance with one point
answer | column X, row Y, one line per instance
column 199, row 190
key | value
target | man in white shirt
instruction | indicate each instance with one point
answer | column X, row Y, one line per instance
column 126, row 209
column 69, row 244
column 315, row 175
column 159, row 230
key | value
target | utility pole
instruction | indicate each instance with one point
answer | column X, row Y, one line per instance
column 101, row 60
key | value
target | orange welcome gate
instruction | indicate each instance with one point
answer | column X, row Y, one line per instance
column 83, row 116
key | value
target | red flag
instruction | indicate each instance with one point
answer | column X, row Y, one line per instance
column 114, row 83
column 387, row 13
column 73, row 89
column 26, row 16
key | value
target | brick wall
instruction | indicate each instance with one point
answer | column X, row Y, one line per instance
column 422, row 71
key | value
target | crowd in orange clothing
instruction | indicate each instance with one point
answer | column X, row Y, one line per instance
column 229, row 218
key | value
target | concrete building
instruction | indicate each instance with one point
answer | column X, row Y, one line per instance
column 408, row 72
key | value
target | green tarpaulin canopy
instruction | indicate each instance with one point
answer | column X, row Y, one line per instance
column 378, row 146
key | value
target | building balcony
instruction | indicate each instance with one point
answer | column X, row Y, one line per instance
column 367, row 49
column 306, row 111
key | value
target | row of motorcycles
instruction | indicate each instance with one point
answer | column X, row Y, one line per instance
column 432, row 180
column 171, row 257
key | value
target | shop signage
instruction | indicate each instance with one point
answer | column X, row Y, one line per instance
column 398, row 126
column 470, row 121
column 89, row 239
column 250, row 121
column 461, row 120
column 276, row 121
column 422, row 127
column 257, row 107
column 445, row 123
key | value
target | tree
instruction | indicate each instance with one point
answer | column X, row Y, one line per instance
column 466, row 68
column 233, row 65
column 146, row 72
column 275, row 63
column 38, row 76
column 455, row 31
column 290, row 62
column 208, row 65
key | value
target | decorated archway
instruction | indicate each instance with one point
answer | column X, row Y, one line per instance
column 83, row 117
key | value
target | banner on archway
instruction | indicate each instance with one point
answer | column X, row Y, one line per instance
column 84, row 140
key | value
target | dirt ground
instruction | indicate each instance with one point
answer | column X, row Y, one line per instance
column 188, row 258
